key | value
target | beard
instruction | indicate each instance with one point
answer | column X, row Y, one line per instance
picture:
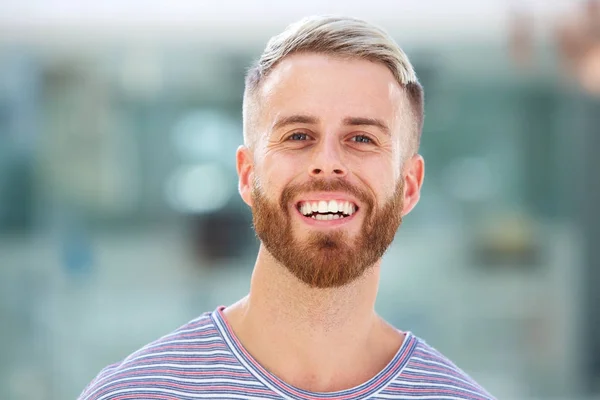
column 326, row 259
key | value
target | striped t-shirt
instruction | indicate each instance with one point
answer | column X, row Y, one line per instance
column 204, row 360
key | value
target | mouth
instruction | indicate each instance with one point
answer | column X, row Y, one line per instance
column 327, row 210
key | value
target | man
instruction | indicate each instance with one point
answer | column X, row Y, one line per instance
column 332, row 118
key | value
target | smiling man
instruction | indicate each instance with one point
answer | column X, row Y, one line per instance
column 329, row 167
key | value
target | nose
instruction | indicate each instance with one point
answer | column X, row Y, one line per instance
column 327, row 161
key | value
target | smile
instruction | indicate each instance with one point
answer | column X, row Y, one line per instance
column 327, row 210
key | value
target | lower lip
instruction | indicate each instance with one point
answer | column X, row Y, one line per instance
column 327, row 222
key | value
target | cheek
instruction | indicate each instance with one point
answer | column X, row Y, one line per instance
column 397, row 159
column 274, row 174
column 382, row 178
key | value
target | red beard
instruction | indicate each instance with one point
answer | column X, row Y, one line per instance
column 327, row 259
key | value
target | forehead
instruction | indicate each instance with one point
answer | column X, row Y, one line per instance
column 331, row 88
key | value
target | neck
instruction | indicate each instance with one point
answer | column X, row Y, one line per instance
column 325, row 331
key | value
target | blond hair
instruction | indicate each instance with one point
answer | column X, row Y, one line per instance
column 344, row 37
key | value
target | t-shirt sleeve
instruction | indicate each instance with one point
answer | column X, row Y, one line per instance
column 100, row 385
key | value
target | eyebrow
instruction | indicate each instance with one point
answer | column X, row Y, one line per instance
column 348, row 121
column 295, row 119
column 360, row 121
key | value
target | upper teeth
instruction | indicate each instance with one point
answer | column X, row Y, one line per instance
column 331, row 206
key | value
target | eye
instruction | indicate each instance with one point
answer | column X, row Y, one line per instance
column 298, row 137
column 361, row 139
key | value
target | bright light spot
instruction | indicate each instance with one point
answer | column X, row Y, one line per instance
column 206, row 135
column 199, row 189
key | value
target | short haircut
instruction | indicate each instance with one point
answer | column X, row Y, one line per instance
column 348, row 38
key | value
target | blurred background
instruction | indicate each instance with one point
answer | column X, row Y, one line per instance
column 120, row 218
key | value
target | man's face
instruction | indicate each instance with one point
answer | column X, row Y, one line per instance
column 326, row 181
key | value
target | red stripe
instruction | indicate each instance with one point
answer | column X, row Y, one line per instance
column 428, row 392
column 172, row 385
column 293, row 390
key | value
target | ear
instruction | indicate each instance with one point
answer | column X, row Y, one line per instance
column 413, row 175
column 245, row 170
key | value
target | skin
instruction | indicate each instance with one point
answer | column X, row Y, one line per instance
column 326, row 332
column 579, row 44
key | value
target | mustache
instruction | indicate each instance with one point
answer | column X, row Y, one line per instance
column 321, row 185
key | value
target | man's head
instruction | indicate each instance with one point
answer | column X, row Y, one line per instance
column 332, row 120
column 341, row 38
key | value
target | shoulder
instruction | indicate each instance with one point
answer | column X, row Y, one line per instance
column 163, row 365
column 430, row 373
